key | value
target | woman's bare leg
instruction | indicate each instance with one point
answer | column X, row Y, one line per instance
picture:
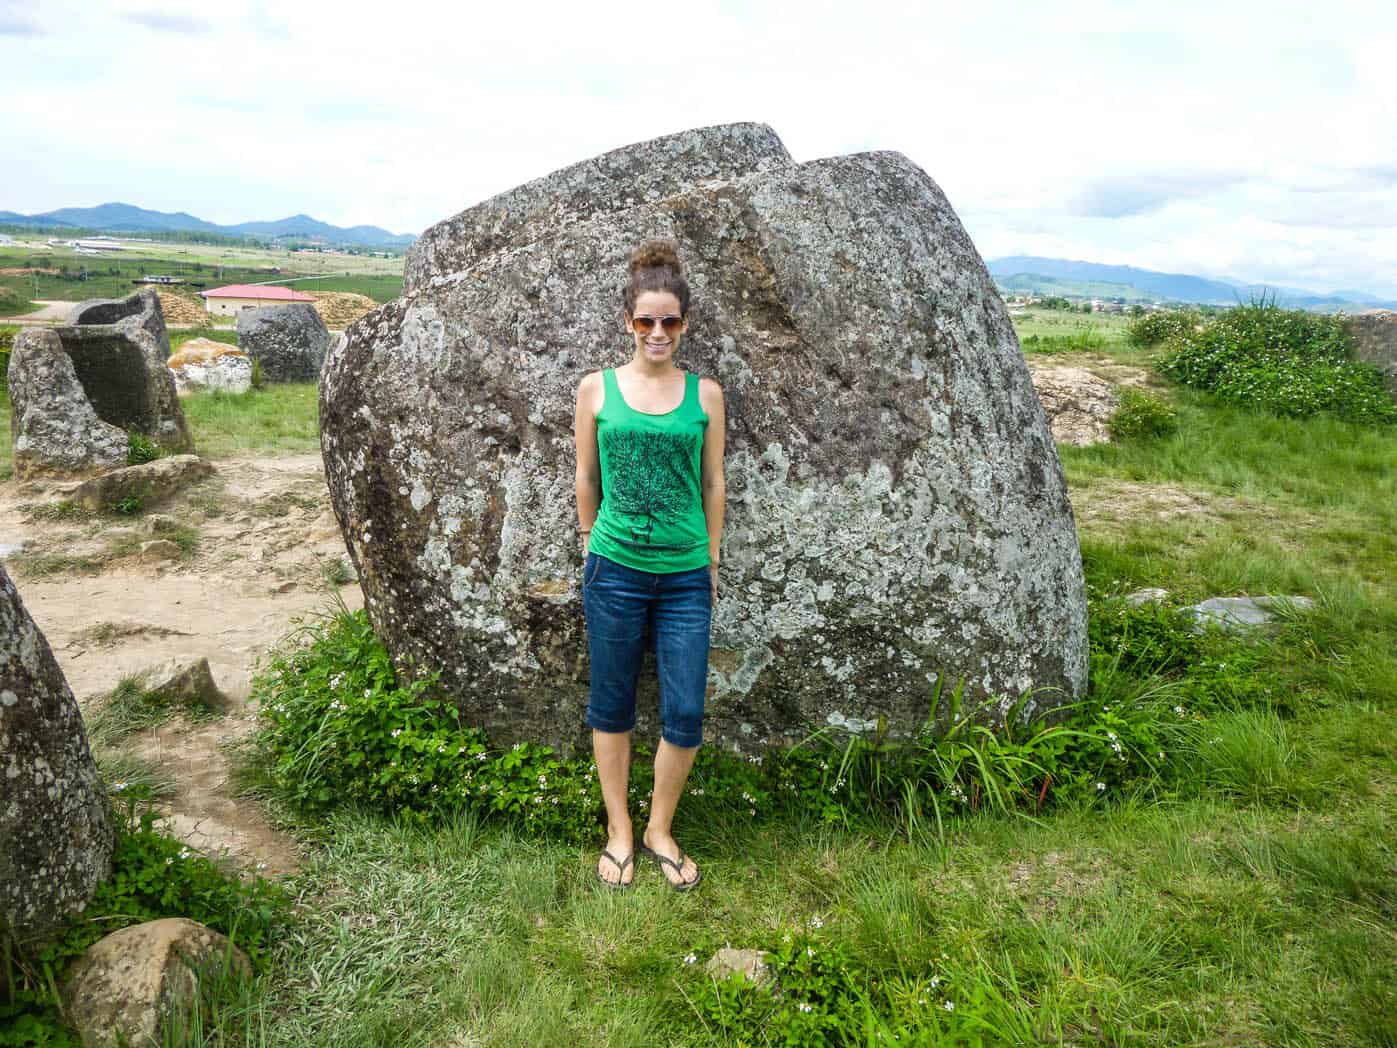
column 672, row 765
column 612, row 750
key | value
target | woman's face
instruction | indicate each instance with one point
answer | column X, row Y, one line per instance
column 658, row 345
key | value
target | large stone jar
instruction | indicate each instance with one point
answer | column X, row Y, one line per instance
column 897, row 515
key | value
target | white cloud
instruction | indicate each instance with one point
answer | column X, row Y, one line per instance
column 1220, row 135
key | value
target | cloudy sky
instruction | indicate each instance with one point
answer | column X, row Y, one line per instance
column 1252, row 139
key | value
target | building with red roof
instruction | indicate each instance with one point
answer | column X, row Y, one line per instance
column 228, row 301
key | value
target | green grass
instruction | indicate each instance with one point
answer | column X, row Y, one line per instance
column 213, row 334
column 381, row 288
column 280, row 419
column 1253, row 903
column 1101, row 330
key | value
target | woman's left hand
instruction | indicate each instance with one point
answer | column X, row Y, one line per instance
column 713, row 579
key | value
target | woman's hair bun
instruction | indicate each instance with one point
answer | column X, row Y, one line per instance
column 657, row 254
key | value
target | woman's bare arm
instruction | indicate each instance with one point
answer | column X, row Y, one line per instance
column 584, row 431
column 715, row 487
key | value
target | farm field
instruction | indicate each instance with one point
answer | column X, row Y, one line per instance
column 33, row 271
column 1048, row 330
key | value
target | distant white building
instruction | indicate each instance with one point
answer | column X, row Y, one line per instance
column 231, row 300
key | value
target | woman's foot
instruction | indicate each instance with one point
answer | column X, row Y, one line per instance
column 680, row 870
column 616, row 864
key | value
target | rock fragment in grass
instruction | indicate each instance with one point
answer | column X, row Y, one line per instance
column 187, row 684
column 138, row 985
column 146, row 484
column 1239, row 614
column 754, row 965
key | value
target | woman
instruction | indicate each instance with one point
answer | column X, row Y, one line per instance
column 650, row 502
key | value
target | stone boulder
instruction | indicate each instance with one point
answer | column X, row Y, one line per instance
column 1375, row 341
column 184, row 683
column 202, row 364
column 897, row 516
column 137, row 986
column 150, row 482
column 288, row 342
column 1240, row 614
column 56, row 833
column 1078, row 404
column 76, row 389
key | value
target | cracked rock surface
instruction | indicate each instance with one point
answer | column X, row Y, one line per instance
column 897, row 515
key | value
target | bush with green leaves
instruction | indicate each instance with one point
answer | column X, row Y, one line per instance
column 820, row 994
column 1288, row 362
column 140, row 448
column 1150, row 329
column 338, row 727
column 153, row 876
column 1140, row 416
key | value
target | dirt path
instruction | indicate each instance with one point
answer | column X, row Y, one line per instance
column 49, row 312
column 266, row 534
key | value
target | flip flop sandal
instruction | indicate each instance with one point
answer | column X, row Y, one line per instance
column 663, row 860
column 618, row 884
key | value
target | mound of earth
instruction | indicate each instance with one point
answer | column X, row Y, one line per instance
column 181, row 309
column 339, row 309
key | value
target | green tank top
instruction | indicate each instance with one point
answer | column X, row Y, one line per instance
column 651, row 515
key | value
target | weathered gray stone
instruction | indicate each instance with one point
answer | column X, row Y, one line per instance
column 1375, row 340
column 1078, row 404
column 183, row 683
column 202, row 364
column 1239, row 614
column 1148, row 595
column 615, row 181
column 55, row 823
column 151, row 482
column 77, row 389
column 288, row 342
column 137, row 986
column 54, row 426
column 897, row 515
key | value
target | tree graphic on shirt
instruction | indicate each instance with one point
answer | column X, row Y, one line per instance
column 648, row 478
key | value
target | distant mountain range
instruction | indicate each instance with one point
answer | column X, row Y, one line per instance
column 1057, row 276
column 126, row 218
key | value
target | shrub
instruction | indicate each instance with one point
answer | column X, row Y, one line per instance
column 1161, row 326
column 1285, row 361
column 1140, row 416
column 140, row 448
column 128, row 506
column 337, row 727
column 7, row 345
column 827, row 996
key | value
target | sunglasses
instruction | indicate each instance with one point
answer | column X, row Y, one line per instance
column 645, row 325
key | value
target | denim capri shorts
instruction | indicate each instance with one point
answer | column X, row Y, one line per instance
column 621, row 604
